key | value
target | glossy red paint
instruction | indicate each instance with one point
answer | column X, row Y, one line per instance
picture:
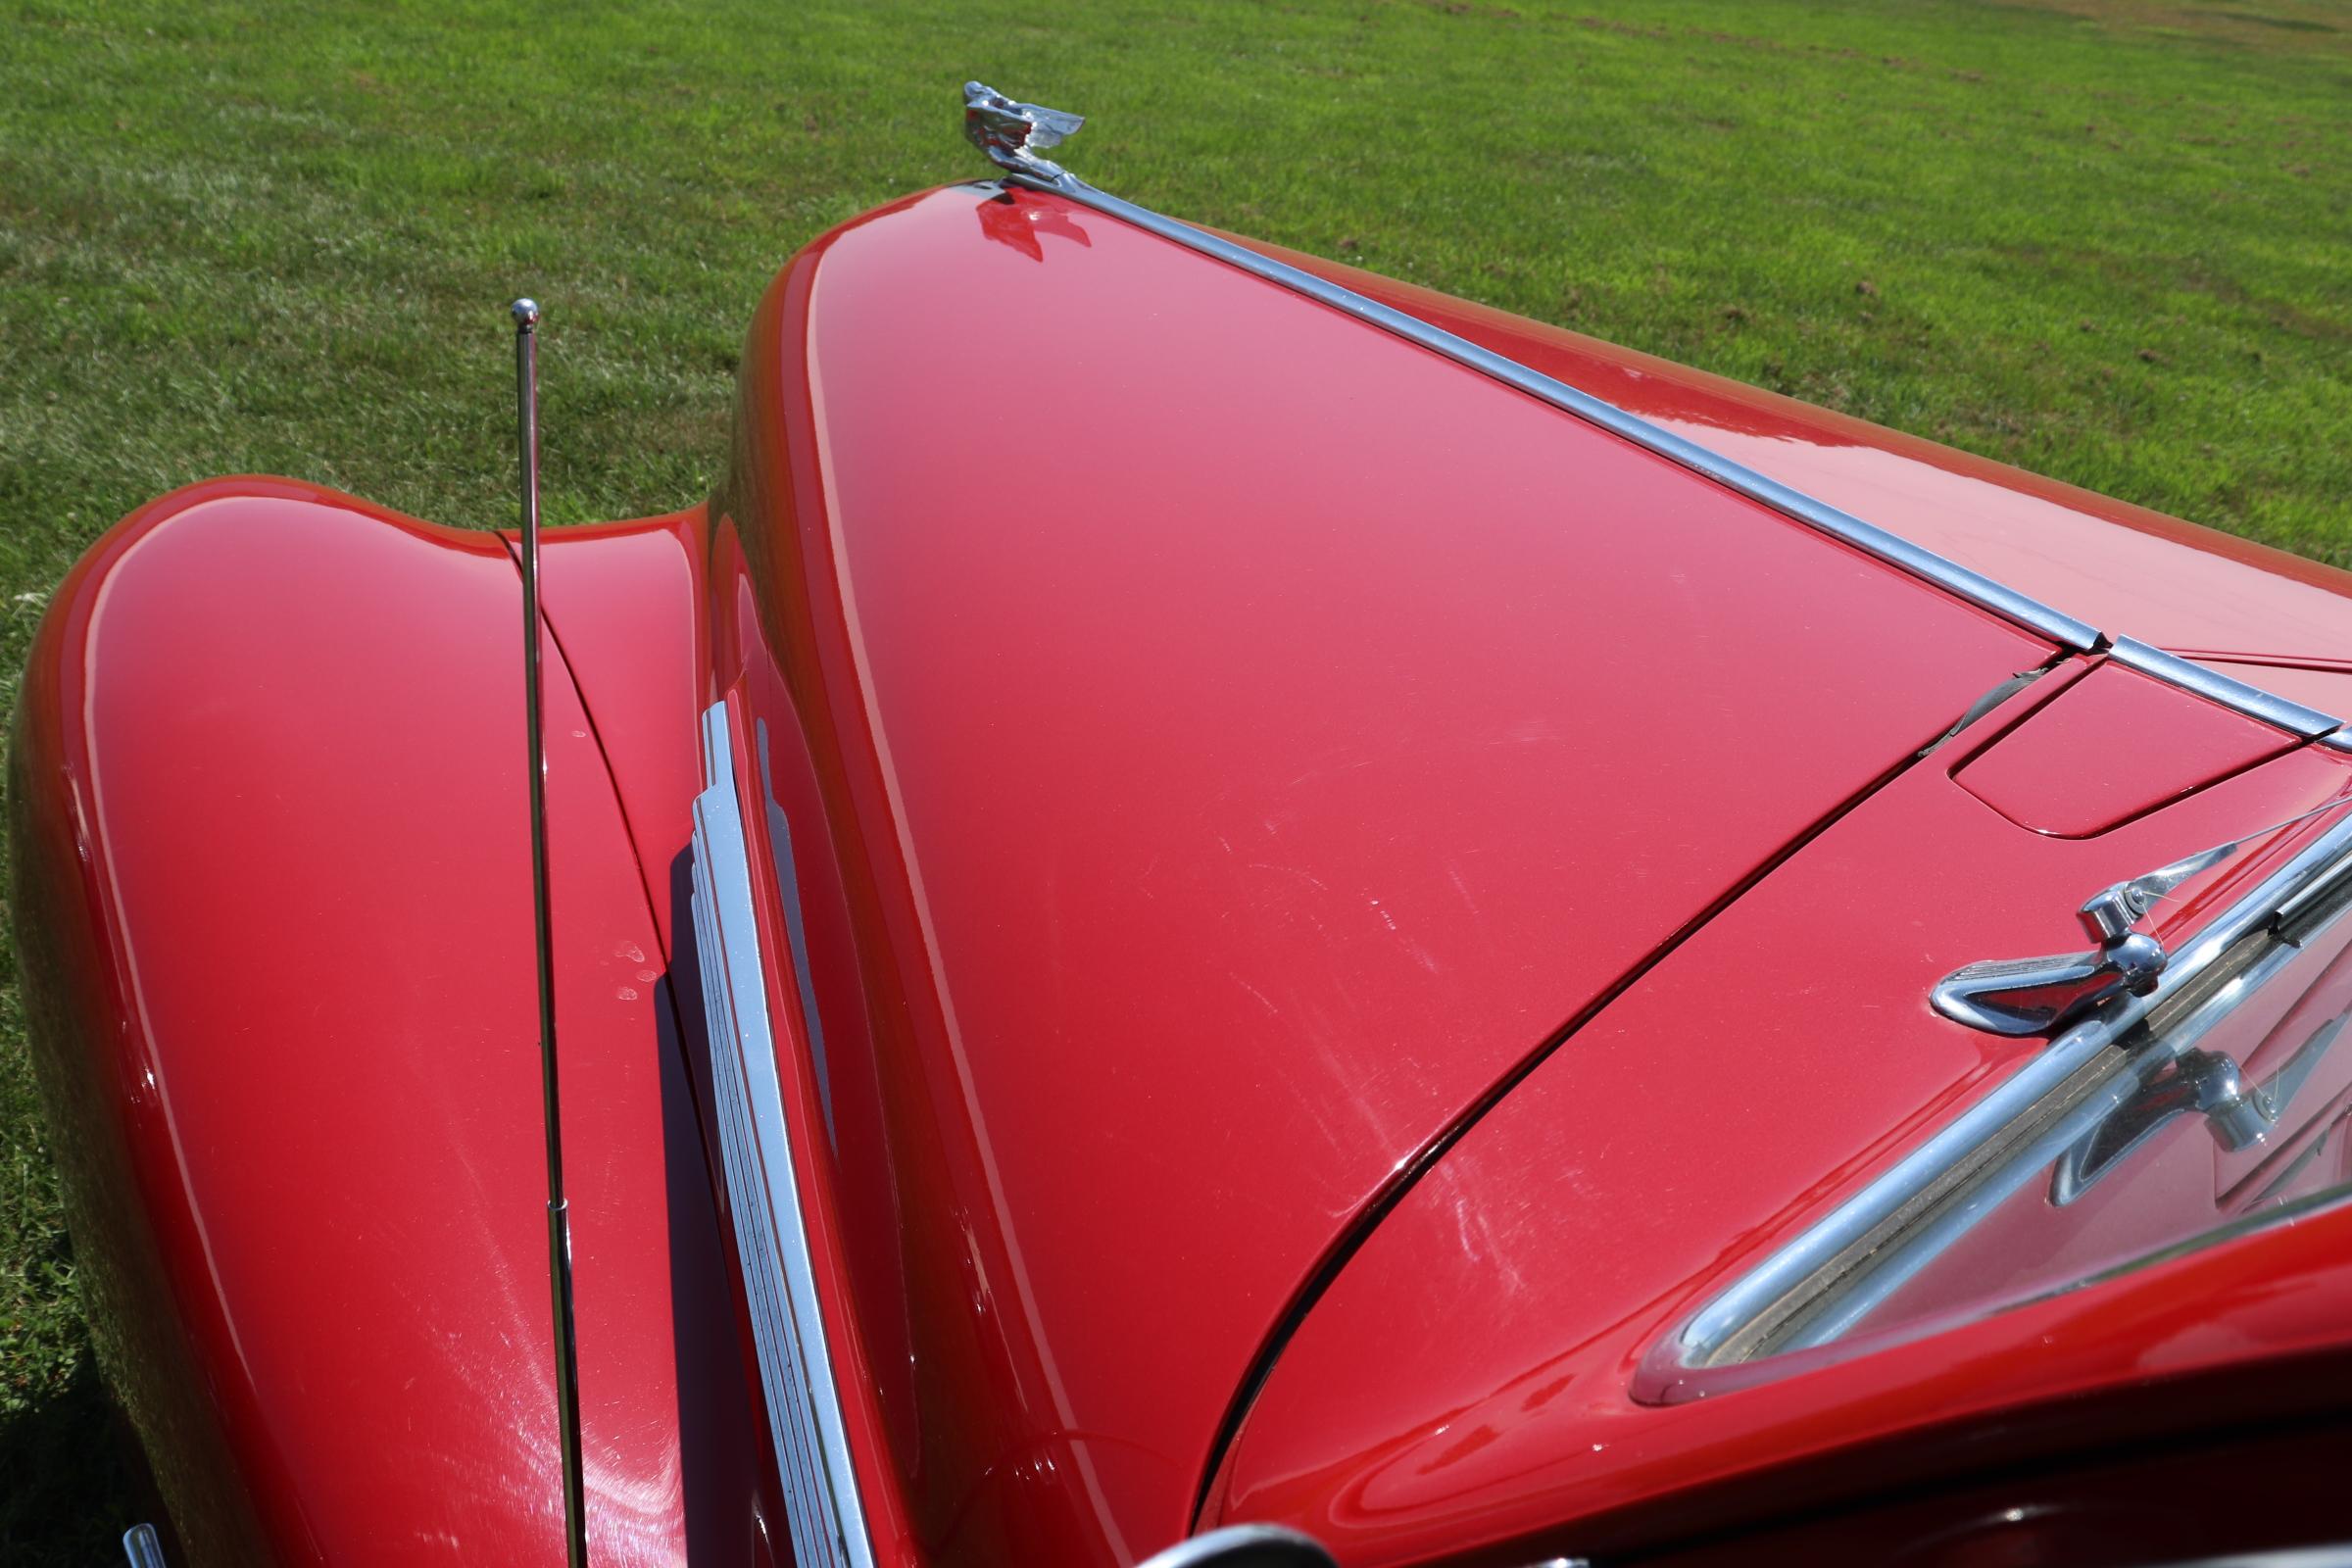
column 2124, row 568
column 627, row 604
column 272, row 882
column 2238, row 1340
column 2152, row 746
column 2127, row 1507
column 1769, row 1066
column 1213, row 840
column 1217, row 746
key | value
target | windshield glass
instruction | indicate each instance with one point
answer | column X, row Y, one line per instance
column 2224, row 1107
column 2218, row 1106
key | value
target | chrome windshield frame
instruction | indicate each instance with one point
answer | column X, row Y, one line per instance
column 2003, row 1123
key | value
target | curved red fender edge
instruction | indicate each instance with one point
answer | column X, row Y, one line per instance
column 272, row 903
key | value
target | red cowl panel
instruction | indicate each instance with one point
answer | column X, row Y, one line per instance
column 272, row 899
column 1771, row 1065
column 1225, row 740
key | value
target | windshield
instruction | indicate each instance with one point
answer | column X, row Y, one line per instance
column 2215, row 1104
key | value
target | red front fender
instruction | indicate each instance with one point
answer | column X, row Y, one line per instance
column 273, row 906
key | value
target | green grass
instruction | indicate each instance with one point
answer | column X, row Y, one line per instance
column 2105, row 240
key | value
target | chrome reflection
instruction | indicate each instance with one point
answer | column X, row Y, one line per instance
column 2208, row 1083
column 796, row 1370
column 2034, row 996
column 2338, row 1555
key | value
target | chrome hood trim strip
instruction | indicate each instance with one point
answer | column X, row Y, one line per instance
column 772, row 1238
column 1973, row 586
column 996, row 125
column 2252, row 701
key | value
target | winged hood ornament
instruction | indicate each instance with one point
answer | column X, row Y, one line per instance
column 1013, row 133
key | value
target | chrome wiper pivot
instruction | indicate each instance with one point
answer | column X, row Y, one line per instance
column 2039, row 996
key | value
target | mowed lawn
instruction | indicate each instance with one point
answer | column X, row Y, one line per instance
column 2108, row 241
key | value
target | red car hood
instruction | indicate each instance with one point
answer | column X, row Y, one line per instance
column 1240, row 739
column 2255, row 612
column 1751, row 1082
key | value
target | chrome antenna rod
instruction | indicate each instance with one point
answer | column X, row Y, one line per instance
column 559, row 1208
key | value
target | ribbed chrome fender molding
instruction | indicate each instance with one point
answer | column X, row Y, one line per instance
column 771, row 1239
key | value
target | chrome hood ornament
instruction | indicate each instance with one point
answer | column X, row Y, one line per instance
column 1013, row 133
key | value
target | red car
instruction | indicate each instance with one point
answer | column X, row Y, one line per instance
column 1220, row 908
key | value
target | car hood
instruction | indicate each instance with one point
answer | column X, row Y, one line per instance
column 1227, row 743
column 2256, row 612
column 1766, row 1072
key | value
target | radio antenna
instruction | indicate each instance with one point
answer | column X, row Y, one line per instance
column 558, row 1210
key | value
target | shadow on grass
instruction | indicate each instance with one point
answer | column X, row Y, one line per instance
column 71, row 1481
